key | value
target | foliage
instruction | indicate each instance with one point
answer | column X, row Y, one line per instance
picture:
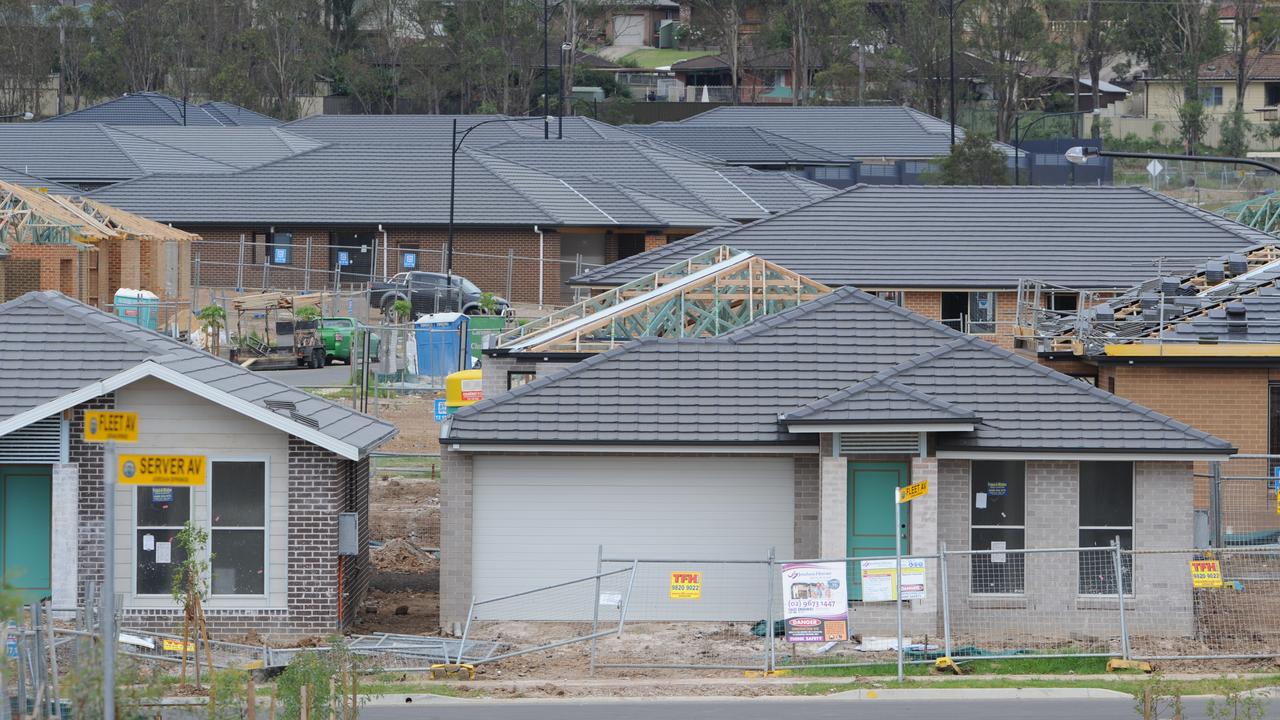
column 190, row 577
column 1157, row 698
column 488, row 303
column 973, row 162
column 401, row 310
column 316, row 669
column 137, row 689
column 1236, row 131
column 1238, row 703
column 308, row 312
column 228, row 694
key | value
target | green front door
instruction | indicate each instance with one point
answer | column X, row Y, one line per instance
column 871, row 498
column 26, row 504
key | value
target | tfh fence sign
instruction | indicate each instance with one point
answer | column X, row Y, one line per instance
column 1206, row 574
column 686, row 585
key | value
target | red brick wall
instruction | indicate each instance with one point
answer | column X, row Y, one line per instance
column 929, row 304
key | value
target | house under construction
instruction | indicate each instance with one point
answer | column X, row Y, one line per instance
column 86, row 249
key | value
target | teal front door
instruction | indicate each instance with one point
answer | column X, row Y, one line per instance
column 872, row 495
column 26, row 537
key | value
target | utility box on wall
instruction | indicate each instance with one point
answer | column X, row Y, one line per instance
column 348, row 533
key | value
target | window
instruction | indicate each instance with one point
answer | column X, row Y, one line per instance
column 973, row 312
column 997, row 522
column 1211, row 96
column 238, row 540
column 1273, row 430
column 1272, row 90
column 161, row 512
column 281, row 250
column 832, row 173
column 516, row 378
column 893, row 296
column 1106, row 511
column 875, row 170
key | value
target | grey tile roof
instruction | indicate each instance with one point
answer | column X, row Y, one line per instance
column 851, row 131
column 394, row 184
column 97, row 153
column 970, row 237
column 436, row 129
column 732, row 389
column 55, row 345
column 879, row 400
column 740, row 145
column 151, row 108
column 734, row 192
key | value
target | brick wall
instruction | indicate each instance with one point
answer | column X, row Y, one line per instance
column 929, row 304
column 89, row 460
column 808, row 506
column 480, row 255
column 456, row 476
column 1230, row 403
column 56, row 267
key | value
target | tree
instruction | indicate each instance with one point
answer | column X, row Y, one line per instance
column 915, row 36
column 1009, row 36
column 975, row 161
column 286, row 36
column 719, row 23
column 214, row 319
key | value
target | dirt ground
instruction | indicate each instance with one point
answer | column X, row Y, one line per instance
column 413, row 415
column 404, row 515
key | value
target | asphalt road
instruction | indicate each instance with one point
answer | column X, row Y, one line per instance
column 774, row 708
column 336, row 374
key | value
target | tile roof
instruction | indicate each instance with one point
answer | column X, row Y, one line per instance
column 740, row 145
column 436, row 129
column 152, row 108
column 970, row 237
column 1264, row 66
column 735, row 389
column 55, row 346
column 398, row 184
column 850, row 131
column 878, row 400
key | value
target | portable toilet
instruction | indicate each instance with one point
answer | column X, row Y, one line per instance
column 441, row 340
column 461, row 389
column 140, row 307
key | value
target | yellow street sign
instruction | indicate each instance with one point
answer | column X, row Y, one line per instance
column 161, row 470
column 104, row 425
column 911, row 492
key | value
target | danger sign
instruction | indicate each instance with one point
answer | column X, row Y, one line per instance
column 686, row 585
column 1206, row 574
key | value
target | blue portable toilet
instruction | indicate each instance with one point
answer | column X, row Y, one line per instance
column 140, row 307
column 441, row 343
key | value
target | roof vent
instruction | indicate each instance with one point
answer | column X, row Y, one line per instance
column 898, row 443
column 278, row 405
column 304, row 419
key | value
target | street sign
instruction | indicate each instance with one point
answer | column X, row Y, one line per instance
column 911, row 492
column 1154, row 168
column 161, row 470
column 104, row 425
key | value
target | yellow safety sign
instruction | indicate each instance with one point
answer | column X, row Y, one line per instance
column 1206, row 574
column 161, row 469
column 911, row 492
column 176, row 645
column 686, row 585
column 104, row 425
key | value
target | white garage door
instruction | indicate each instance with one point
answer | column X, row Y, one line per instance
column 628, row 29
column 539, row 520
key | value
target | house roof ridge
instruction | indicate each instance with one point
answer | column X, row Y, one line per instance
column 1238, row 229
column 871, row 384
column 128, row 130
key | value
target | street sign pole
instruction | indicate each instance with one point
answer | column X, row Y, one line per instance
column 108, row 618
column 897, row 571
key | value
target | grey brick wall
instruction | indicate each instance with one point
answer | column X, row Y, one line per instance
column 88, row 458
column 808, row 506
column 455, row 536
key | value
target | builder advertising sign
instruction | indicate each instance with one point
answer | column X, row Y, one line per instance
column 185, row 470
column 104, row 425
column 1206, row 574
column 877, row 580
column 815, row 602
column 686, row 585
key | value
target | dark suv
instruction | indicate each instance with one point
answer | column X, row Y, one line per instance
column 427, row 293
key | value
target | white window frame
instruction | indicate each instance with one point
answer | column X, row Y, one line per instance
column 135, row 527
column 265, row 528
column 1132, row 527
column 1022, row 527
column 973, row 304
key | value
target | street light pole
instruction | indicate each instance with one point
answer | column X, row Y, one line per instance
column 546, row 80
column 951, row 60
column 1080, row 155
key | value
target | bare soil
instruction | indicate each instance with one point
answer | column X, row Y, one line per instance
column 404, row 513
column 413, row 416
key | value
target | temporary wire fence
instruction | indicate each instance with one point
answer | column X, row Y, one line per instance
column 991, row 604
column 1244, row 500
column 553, row 616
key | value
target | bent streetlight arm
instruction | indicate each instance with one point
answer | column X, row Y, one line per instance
column 1079, row 156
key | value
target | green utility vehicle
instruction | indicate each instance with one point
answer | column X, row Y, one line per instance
column 337, row 334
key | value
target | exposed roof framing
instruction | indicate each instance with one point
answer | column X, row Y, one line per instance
column 706, row 296
column 32, row 217
column 1260, row 213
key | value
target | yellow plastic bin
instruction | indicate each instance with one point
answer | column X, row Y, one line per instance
column 461, row 389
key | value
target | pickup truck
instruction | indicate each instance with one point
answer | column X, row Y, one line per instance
column 427, row 293
column 337, row 334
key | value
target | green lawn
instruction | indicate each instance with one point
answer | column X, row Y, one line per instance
column 1132, row 683
column 662, row 58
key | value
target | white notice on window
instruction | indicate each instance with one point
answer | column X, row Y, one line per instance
column 148, row 542
column 162, row 553
column 980, row 501
column 998, row 546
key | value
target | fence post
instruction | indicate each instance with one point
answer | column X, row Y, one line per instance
column 306, row 271
column 266, row 266
column 1215, row 504
column 1124, row 627
column 595, row 612
column 511, row 265
column 768, row 618
column 195, row 284
column 240, row 266
column 945, row 597
column 466, row 629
